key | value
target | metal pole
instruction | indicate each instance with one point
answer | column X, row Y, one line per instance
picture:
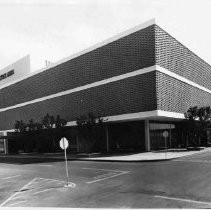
column 65, row 154
column 5, row 147
column 107, row 142
column 77, row 141
column 166, row 147
column 170, row 137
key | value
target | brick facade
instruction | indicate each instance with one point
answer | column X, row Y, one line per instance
column 133, row 52
column 135, row 94
column 177, row 58
column 176, row 96
column 145, row 92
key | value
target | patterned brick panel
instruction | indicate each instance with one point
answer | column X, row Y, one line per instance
column 175, row 57
column 133, row 52
column 176, row 96
column 135, row 94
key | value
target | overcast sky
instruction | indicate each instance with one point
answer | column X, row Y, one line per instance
column 54, row 29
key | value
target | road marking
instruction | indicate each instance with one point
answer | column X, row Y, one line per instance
column 25, row 189
column 18, row 197
column 12, row 196
column 105, row 175
column 16, row 203
column 181, row 199
column 42, row 191
column 10, row 177
column 44, row 179
column 46, row 165
column 100, row 169
column 31, row 189
column 54, row 181
column 124, row 172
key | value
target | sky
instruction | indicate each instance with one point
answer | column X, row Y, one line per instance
column 54, row 29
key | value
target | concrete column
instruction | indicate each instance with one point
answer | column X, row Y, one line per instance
column 5, row 143
column 77, row 142
column 170, row 138
column 107, row 140
column 6, row 146
column 147, row 136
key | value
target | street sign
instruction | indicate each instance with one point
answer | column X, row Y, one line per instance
column 63, row 143
column 165, row 134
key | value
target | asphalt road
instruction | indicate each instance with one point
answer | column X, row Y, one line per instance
column 182, row 183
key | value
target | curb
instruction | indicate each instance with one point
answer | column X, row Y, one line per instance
column 79, row 159
column 48, row 158
column 126, row 161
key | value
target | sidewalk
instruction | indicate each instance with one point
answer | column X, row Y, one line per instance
column 145, row 156
column 150, row 156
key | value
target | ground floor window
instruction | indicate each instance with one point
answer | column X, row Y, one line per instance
column 157, row 140
column 127, row 136
column 2, row 146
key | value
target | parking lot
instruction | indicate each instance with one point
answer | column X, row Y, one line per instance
column 182, row 183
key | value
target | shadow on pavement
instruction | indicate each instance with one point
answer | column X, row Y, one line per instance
column 28, row 160
column 45, row 158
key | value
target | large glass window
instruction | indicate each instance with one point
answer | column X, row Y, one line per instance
column 157, row 139
column 2, row 149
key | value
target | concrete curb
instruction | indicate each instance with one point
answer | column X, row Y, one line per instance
column 41, row 157
column 80, row 159
column 126, row 161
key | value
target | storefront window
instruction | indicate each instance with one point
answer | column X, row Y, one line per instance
column 156, row 135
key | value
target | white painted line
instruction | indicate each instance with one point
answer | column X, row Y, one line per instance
column 10, row 177
column 42, row 191
column 40, row 181
column 46, row 165
column 34, row 189
column 181, row 199
column 54, row 181
column 44, row 179
column 12, row 196
column 125, row 172
column 16, row 203
column 17, row 197
column 100, row 169
column 105, row 175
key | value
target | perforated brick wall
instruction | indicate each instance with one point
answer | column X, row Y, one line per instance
column 176, row 96
column 133, row 52
column 175, row 57
column 146, row 92
column 135, row 94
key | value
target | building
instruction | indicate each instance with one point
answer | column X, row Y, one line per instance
column 142, row 81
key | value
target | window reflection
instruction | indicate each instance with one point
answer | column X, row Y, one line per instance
column 157, row 140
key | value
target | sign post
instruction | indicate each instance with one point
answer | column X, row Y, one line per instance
column 165, row 135
column 64, row 144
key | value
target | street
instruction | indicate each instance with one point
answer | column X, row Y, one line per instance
column 179, row 183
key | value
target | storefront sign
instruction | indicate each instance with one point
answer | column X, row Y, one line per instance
column 8, row 74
